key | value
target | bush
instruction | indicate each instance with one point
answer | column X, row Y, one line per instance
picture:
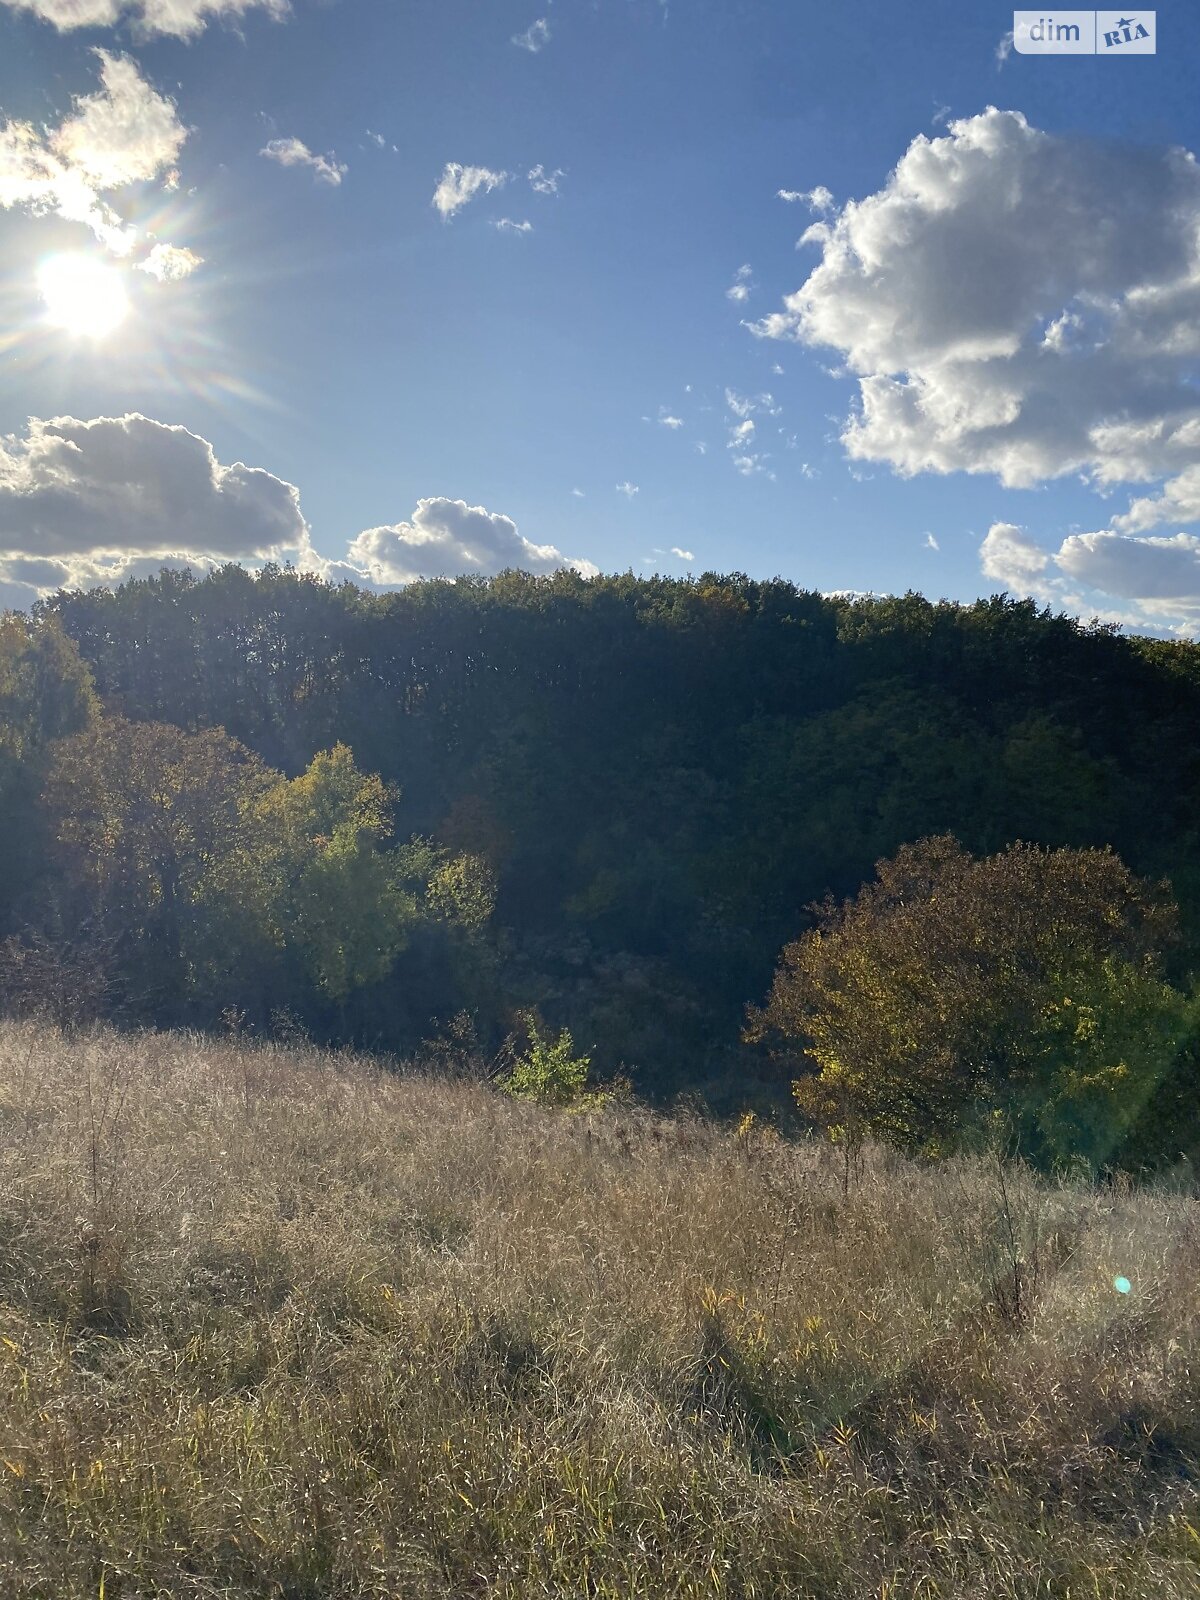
column 550, row 1074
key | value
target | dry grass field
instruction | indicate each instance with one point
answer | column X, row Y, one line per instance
column 278, row 1323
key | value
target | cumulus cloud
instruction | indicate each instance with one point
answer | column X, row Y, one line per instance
column 1154, row 581
column 23, row 580
column 295, row 153
column 168, row 263
column 536, row 37
column 181, row 18
column 1016, row 303
column 1011, row 557
column 125, row 133
column 1026, row 305
column 447, row 539
column 128, row 486
column 683, row 555
column 459, row 184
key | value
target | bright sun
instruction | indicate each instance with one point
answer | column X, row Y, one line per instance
column 83, row 296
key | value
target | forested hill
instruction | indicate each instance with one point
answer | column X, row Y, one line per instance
column 663, row 774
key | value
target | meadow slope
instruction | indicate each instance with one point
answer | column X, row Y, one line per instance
column 278, row 1323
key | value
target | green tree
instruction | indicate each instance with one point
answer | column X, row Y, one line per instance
column 314, row 871
column 955, row 990
column 46, row 694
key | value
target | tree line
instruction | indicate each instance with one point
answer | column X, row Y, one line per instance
column 613, row 800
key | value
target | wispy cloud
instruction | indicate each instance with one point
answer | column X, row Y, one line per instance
column 507, row 225
column 295, row 153
column 819, row 199
column 627, row 489
column 459, row 184
column 536, row 37
column 739, row 290
column 543, row 182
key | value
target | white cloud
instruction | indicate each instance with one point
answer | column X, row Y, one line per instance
column 447, row 539
column 579, row 494
column 507, row 225
column 295, row 153
column 1155, row 581
column 129, row 486
column 627, row 489
column 1134, row 569
column 1016, row 303
column 683, row 555
column 181, row 18
column 666, row 420
column 819, row 199
column 1011, row 557
column 1004, row 49
column 1026, row 305
column 740, row 432
column 536, row 37
column 126, row 133
column 543, row 182
column 743, row 405
column 24, row 580
column 741, row 287
column 931, row 543
column 169, row 263
column 459, row 184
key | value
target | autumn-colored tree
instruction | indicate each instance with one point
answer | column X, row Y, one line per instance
column 954, row 991
column 142, row 816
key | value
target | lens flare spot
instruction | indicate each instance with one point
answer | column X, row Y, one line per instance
column 1122, row 1285
column 83, row 296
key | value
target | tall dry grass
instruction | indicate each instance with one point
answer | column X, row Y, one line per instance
column 278, row 1323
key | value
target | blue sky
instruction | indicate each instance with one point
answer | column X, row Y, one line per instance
column 410, row 391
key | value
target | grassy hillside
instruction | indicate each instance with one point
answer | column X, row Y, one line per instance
column 273, row 1323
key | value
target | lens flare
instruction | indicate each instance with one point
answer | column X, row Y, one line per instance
column 83, row 296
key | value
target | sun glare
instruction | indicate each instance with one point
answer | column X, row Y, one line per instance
column 83, row 296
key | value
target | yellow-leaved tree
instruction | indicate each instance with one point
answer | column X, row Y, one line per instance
column 957, row 994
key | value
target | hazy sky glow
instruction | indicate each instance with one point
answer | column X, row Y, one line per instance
column 403, row 287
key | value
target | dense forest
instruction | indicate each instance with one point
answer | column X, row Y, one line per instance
column 398, row 818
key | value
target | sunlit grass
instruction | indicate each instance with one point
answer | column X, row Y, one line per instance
column 275, row 1323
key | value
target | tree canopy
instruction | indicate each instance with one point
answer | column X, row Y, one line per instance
column 611, row 799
